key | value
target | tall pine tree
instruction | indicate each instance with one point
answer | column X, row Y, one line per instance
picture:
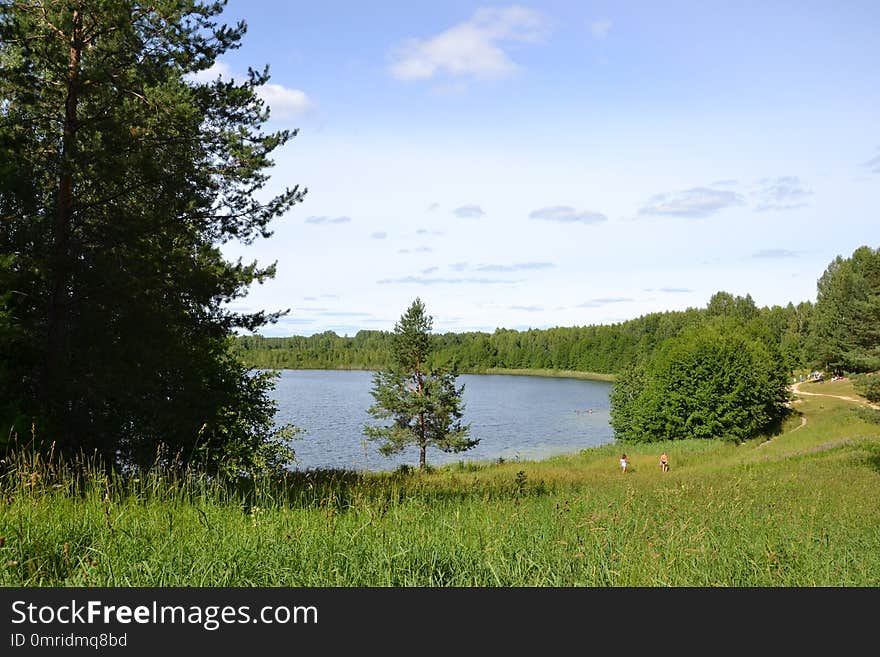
column 424, row 405
column 846, row 324
column 121, row 178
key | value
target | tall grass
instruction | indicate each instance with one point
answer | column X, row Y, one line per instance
column 798, row 510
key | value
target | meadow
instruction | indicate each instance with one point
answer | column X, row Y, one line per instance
column 799, row 508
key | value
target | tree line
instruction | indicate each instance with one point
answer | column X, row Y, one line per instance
column 603, row 349
column 839, row 333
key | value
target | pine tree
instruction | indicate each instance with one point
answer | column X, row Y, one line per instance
column 424, row 405
column 846, row 322
column 120, row 177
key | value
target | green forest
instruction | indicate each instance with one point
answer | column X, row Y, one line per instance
column 601, row 348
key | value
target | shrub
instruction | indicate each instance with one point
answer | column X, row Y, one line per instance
column 717, row 380
column 868, row 385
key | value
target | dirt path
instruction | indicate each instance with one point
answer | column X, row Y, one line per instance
column 800, row 426
column 796, row 389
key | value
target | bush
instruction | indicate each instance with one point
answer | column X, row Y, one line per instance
column 717, row 380
column 868, row 385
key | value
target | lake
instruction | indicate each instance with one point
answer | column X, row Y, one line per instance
column 515, row 418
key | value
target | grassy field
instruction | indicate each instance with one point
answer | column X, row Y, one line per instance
column 841, row 387
column 800, row 509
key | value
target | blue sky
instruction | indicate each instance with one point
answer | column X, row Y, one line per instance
column 560, row 163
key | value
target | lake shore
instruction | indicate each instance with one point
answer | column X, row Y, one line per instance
column 554, row 374
column 547, row 373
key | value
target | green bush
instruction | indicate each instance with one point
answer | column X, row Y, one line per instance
column 868, row 386
column 718, row 380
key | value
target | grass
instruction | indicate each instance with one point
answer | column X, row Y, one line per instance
column 556, row 374
column 842, row 387
column 798, row 510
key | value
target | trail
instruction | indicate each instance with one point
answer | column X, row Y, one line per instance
column 800, row 426
column 796, row 389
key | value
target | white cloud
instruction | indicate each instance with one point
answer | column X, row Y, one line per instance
column 786, row 193
column 470, row 49
column 568, row 215
column 284, row 102
column 600, row 28
column 697, row 202
column 217, row 69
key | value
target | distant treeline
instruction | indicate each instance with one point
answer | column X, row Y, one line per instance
column 606, row 349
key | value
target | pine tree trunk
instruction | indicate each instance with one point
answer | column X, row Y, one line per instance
column 422, row 445
column 57, row 315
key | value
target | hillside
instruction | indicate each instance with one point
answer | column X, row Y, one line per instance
column 799, row 509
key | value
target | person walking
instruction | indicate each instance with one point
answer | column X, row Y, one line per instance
column 623, row 463
column 664, row 462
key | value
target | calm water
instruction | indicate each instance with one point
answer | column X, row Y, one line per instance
column 515, row 417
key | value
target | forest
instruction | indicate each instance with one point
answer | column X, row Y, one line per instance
column 605, row 349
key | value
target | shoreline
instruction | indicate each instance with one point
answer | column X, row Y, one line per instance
column 549, row 373
column 544, row 373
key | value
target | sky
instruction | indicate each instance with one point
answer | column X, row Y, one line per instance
column 559, row 163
